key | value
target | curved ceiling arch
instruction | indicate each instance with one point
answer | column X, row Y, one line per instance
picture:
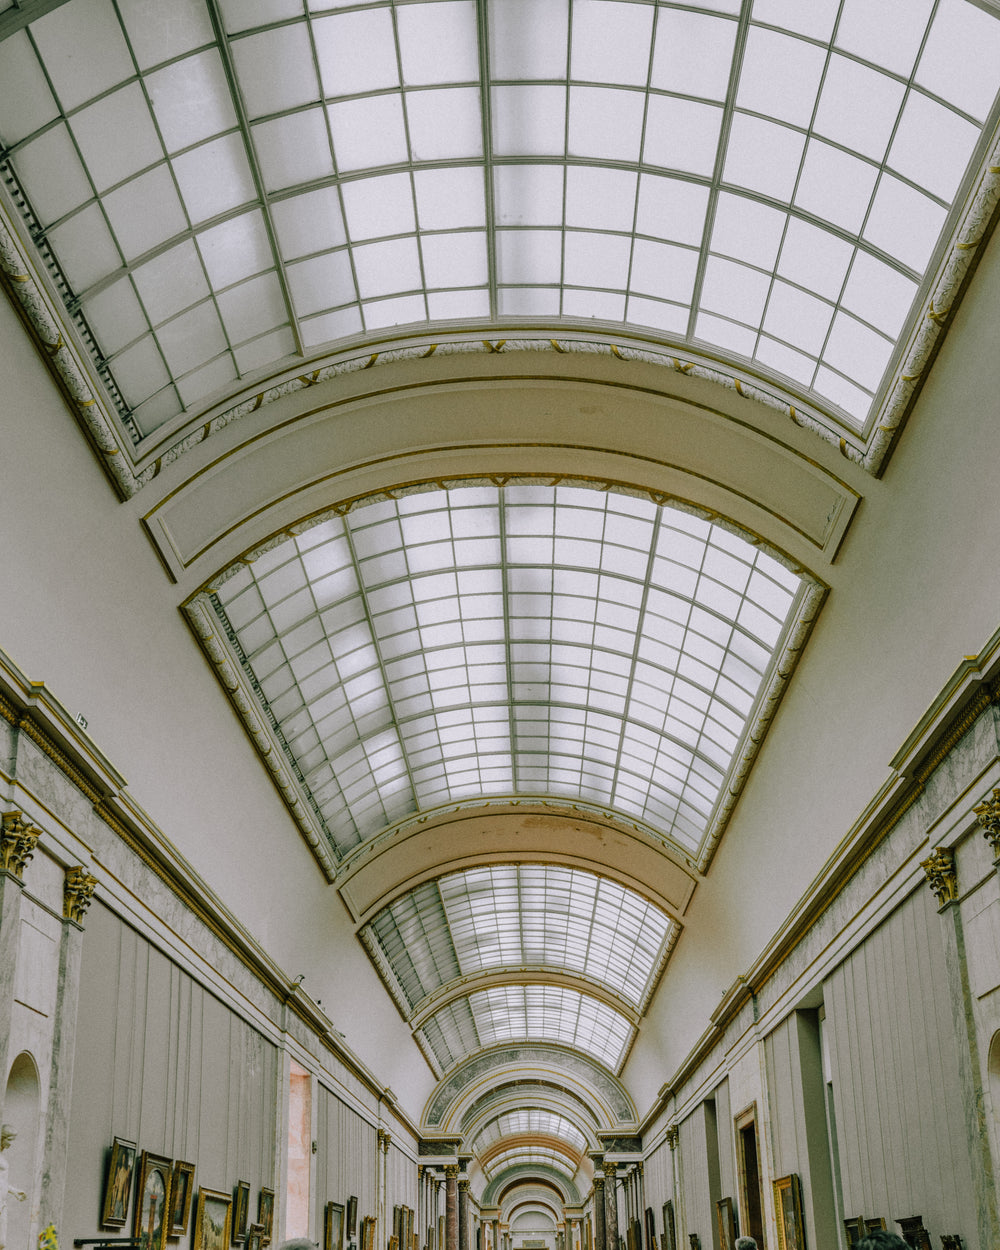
column 522, row 1187
column 531, row 1123
column 519, row 1097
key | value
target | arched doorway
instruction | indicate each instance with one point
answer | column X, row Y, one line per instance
column 20, row 1111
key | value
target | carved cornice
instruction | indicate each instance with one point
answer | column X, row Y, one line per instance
column 939, row 868
column 78, row 891
column 17, row 843
column 988, row 815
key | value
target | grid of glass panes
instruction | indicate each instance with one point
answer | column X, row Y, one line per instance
column 537, row 1156
column 527, row 1013
column 284, row 175
column 532, row 640
column 528, row 915
column 529, row 1120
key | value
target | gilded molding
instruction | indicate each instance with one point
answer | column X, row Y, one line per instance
column 939, row 868
column 17, row 843
column 78, row 893
column 988, row 815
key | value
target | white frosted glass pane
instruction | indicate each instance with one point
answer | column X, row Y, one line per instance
column 445, row 125
column 681, row 134
column 209, row 379
column 235, row 249
column 145, row 212
column 693, row 54
column 726, row 334
column 136, row 145
column 275, row 70
column 395, row 312
column 856, row 351
column 338, row 40
column 85, row 248
column 888, row 33
column 83, row 34
column 156, row 411
column 734, row 290
column 529, row 256
column 307, row 223
column 27, row 102
column 379, row 206
column 160, row 32
column 763, row 156
column 610, row 42
column 529, row 121
column 293, row 150
column 961, row 57
column 191, row 100
column 780, row 76
column 321, row 283
column 387, row 268
column 602, row 305
column 171, row 281
column 535, row 302
column 454, row 259
column 932, row 146
column 449, row 305
column 342, row 324
column 253, row 308
column 115, row 316
column 798, row 318
column 665, row 317
column 858, row 107
column 854, row 401
column 746, row 230
column 904, row 223
column 815, row 19
column 438, row 42
column 449, row 198
column 605, row 122
column 265, row 351
column 814, row 258
column 662, row 270
column 793, row 364
column 368, row 132
column 596, row 260
column 671, row 209
column 51, row 173
column 528, row 38
column 601, row 199
column 191, row 339
column 246, row 14
column 527, row 195
column 878, row 294
column 139, row 371
column 214, row 177
column 835, row 185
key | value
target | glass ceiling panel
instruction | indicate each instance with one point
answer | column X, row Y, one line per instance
column 529, row 1120
column 640, row 165
column 527, row 1013
column 519, row 1156
column 530, row 640
column 530, row 915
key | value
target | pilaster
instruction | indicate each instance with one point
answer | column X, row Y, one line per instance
column 610, row 1206
column 17, row 844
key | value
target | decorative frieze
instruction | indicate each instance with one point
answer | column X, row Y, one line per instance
column 78, row 890
column 988, row 815
column 17, row 842
column 939, row 868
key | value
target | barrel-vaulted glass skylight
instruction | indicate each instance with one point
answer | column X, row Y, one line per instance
column 529, row 1121
column 484, row 642
column 538, row 1156
column 538, row 916
column 220, row 186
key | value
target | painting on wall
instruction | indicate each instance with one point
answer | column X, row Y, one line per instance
column 213, row 1220
column 788, row 1209
column 255, row 1237
column 181, row 1189
column 726, row 1220
column 265, row 1214
column 149, row 1227
column 669, row 1231
column 118, row 1187
column 333, row 1226
column 241, row 1212
column 352, row 1217
column 368, row 1233
column 855, row 1228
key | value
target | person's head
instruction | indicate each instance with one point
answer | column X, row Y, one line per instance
column 881, row 1239
column 745, row 1243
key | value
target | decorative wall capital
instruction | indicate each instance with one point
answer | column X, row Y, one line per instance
column 988, row 815
column 598, row 1180
column 939, row 868
column 78, row 890
column 384, row 1140
column 610, row 1170
column 464, row 1183
column 17, row 842
column 450, row 1171
column 673, row 1134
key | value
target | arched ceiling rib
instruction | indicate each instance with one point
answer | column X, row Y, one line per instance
column 766, row 184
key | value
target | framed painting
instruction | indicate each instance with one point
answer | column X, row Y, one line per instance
column 152, row 1199
column 876, row 1225
column 669, row 1230
column 265, row 1214
column 855, row 1229
column 650, row 1229
column 368, row 1233
column 241, row 1212
column 352, row 1217
column 181, row 1188
column 213, row 1220
column 118, row 1186
column 788, row 1210
column 333, row 1226
column 255, row 1237
column 726, row 1221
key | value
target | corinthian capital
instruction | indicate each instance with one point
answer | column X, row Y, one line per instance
column 939, row 868
column 17, row 842
column 988, row 815
column 78, row 890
